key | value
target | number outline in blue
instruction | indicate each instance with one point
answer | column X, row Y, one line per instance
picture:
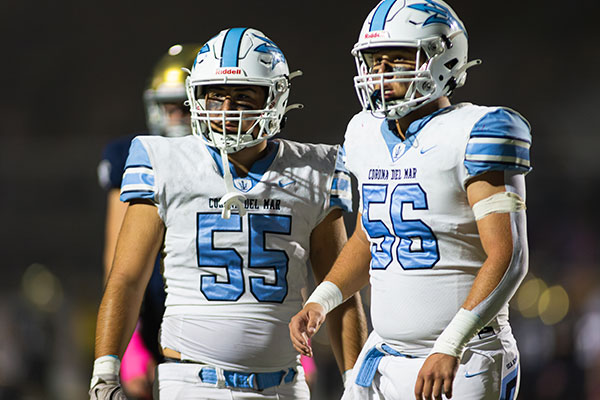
column 211, row 279
column 398, row 206
column 386, row 248
column 275, row 296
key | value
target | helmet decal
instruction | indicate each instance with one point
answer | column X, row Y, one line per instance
column 380, row 16
column 271, row 48
column 204, row 49
column 231, row 47
column 438, row 14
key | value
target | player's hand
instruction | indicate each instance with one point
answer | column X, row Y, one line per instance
column 104, row 388
column 436, row 377
column 304, row 325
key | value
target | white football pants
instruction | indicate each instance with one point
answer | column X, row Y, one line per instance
column 489, row 370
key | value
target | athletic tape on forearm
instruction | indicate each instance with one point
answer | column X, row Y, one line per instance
column 328, row 295
column 105, row 366
column 463, row 327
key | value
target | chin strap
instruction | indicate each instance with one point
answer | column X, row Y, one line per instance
column 232, row 197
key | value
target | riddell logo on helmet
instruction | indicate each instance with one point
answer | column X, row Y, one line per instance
column 376, row 35
column 228, row 71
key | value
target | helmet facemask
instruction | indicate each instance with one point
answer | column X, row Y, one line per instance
column 265, row 121
column 422, row 86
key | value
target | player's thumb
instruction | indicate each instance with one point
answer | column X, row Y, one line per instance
column 314, row 322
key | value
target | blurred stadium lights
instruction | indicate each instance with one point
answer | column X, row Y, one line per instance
column 535, row 299
column 175, row 49
column 553, row 305
column 42, row 288
column 173, row 75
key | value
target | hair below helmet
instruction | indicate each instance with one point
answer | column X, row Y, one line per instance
column 167, row 85
column 430, row 27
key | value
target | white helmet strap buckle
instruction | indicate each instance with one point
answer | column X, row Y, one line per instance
column 232, row 197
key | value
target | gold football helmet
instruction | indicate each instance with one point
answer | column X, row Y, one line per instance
column 165, row 94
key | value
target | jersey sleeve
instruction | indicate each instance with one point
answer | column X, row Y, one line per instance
column 499, row 141
column 138, row 178
column 341, row 185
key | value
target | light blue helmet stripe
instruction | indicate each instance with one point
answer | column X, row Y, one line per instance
column 378, row 21
column 231, row 47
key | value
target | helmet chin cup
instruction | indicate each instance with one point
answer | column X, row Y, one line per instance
column 232, row 199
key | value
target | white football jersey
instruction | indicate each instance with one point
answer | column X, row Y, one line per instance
column 425, row 245
column 233, row 284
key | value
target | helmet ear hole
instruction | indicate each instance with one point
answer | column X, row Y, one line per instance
column 451, row 64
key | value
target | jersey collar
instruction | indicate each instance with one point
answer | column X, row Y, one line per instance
column 398, row 147
column 257, row 170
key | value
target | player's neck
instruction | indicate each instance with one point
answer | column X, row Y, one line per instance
column 403, row 123
column 245, row 158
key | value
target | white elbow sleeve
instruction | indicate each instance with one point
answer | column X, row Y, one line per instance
column 517, row 269
column 466, row 324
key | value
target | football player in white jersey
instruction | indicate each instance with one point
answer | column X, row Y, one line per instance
column 441, row 227
column 235, row 261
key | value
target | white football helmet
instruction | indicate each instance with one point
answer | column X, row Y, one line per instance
column 434, row 30
column 167, row 85
column 239, row 56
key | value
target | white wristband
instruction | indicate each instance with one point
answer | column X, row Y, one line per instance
column 328, row 295
column 463, row 327
column 105, row 366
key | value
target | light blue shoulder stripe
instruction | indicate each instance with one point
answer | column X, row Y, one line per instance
column 502, row 123
column 134, row 177
column 499, row 141
column 138, row 156
column 136, row 194
column 138, row 178
column 502, row 150
column 344, row 204
column 341, row 191
column 340, row 161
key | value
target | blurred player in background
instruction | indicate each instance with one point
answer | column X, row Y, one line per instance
column 441, row 232
column 166, row 116
column 235, row 261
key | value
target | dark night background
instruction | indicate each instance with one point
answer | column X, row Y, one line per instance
column 72, row 75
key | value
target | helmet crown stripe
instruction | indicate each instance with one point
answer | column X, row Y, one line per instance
column 378, row 21
column 231, row 47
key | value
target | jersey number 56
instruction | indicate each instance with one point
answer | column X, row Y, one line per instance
column 417, row 246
